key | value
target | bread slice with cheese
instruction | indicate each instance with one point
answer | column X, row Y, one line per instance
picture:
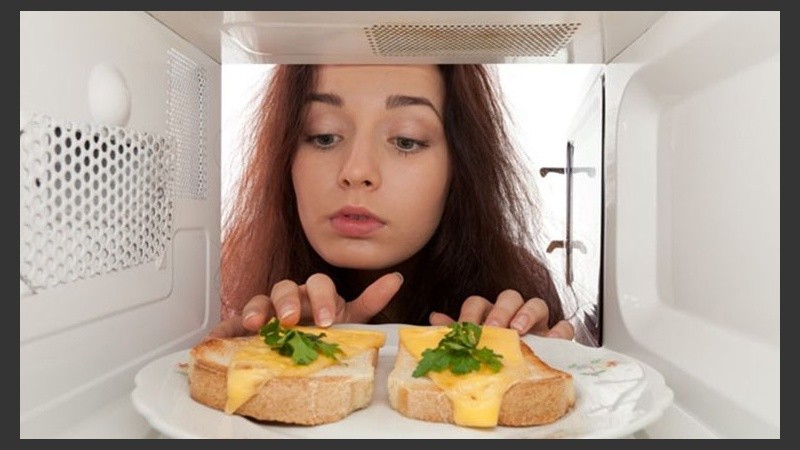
column 526, row 391
column 245, row 376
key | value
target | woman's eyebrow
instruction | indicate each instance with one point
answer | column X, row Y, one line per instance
column 396, row 101
column 330, row 99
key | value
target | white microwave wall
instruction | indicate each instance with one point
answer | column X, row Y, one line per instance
column 125, row 282
column 692, row 258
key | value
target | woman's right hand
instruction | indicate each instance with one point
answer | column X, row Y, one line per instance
column 315, row 302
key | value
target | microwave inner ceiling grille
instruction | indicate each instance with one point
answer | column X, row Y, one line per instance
column 512, row 40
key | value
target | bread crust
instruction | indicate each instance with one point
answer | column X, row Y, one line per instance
column 542, row 398
column 323, row 397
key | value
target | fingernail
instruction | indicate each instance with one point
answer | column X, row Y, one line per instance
column 399, row 275
column 492, row 323
column 248, row 315
column 324, row 317
column 519, row 323
column 286, row 313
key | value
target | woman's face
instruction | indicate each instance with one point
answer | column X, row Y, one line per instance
column 371, row 171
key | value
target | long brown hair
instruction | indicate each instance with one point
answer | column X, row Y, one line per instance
column 482, row 246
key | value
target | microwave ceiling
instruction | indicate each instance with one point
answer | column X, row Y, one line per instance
column 398, row 37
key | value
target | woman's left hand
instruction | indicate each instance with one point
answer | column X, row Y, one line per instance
column 509, row 311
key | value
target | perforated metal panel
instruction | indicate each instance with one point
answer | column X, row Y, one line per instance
column 93, row 199
column 186, row 118
column 520, row 40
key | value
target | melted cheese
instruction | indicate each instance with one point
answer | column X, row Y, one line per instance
column 476, row 396
column 254, row 363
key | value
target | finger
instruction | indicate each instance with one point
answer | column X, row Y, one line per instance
column 256, row 312
column 563, row 330
column 532, row 317
column 504, row 309
column 474, row 309
column 321, row 293
column 440, row 319
column 285, row 297
column 228, row 328
column 374, row 298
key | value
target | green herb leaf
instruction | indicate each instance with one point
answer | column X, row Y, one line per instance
column 303, row 348
column 458, row 351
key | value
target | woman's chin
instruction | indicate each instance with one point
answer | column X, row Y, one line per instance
column 354, row 261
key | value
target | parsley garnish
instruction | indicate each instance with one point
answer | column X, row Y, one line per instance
column 458, row 351
column 302, row 347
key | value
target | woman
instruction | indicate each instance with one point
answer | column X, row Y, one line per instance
column 383, row 194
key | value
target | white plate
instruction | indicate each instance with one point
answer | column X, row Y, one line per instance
column 616, row 395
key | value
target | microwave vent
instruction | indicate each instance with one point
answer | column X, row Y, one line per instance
column 93, row 199
column 186, row 117
column 512, row 40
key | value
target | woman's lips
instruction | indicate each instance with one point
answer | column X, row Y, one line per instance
column 355, row 222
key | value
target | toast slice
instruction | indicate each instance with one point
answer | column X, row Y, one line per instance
column 318, row 395
column 539, row 395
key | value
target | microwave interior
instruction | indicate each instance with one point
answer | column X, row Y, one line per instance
column 659, row 183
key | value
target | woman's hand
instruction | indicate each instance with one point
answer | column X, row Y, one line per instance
column 316, row 302
column 509, row 311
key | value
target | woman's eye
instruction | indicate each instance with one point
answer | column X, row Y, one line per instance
column 323, row 140
column 407, row 145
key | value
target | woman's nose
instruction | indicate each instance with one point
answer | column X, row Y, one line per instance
column 360, row 167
